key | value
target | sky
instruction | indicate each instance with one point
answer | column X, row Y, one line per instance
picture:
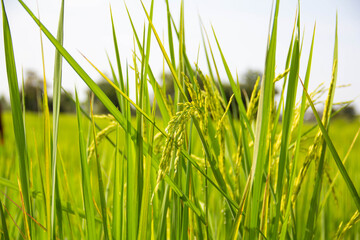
column 241, row 27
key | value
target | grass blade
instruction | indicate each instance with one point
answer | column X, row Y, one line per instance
column 173, row 72
column 85, row 173
column 262, row 126
column 118, row 191
column 330, row 145
column 171, row 44
column 79, row 70
column 236, row 91
column 143, row 225
column 286, row 130
column 297, row 150
column 117, row 53
column 145, row 170
column 56, row 113
column 47, row 146
column 158, row 93
column 17, row 114
column 331, row 187
column 3, row 222
column 239, row 215
column 100, row 180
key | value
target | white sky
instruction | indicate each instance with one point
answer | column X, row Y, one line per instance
column 241, row 27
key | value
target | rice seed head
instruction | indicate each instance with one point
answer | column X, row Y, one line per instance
column 175, row 139
column 330, row 180
column 101, row 134
column 342, row 230
column 313, row 154
column 281, row 75
column 315, row 149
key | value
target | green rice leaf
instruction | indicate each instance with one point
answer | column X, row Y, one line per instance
column 79, row 70
column 143, row 225
column 331, row 187
column 56, row 112
column 47, row 146
column 85, row 173
column 159, row 94
column 262, row 128
column 287, row 64
column 100, row 179
column 118, row 190
column 17, row 114
column 286, row 127
column 298, row 139
column 339, row 164
column 221, row 88
column 171, row 42
column 173, row 72
column 239, row 215
column 236, row 91
column 121, row 85
column 3, row 222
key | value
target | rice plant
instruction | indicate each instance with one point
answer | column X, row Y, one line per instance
column 182, row 167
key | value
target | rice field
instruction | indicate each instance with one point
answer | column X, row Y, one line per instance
column 183, row 167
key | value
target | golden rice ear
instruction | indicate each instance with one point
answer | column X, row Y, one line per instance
column 176, row 131
column 343, row 230
column 100, row 136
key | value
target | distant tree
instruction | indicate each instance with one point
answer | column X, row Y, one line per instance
column 33, row 91
column 347, row 112
column 169, row 84
column 5, row 105
column 67, row 104
column 109, row 91
column 248, row 81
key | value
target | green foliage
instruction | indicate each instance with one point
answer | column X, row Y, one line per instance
column 99, row 108
column 215, row 163
column 33, row 95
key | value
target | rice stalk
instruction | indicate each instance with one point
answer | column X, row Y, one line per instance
column 17, row 114
column 85, row 173
column 47, row 147
column 100, row 179
column 262, row 124
column 343, row 229
column 56, row 112
column 3, row 223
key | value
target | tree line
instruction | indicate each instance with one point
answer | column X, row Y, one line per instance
column 33, row 92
